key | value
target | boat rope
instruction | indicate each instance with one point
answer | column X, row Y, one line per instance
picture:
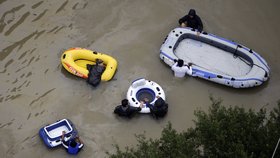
column 245, row 61
column 251, row 64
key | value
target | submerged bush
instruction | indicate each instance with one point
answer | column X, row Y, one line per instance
column 222, row 132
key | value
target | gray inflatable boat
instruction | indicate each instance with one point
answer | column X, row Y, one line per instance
column 215, row 59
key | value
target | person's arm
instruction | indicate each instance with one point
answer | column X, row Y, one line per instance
column 146, row 101
column 189, row 70
column 182, row 20
column 133, row 109
column 200, row 25
column 116, row 111
column 63, row 135
column 79, row 140
column 141, row 104
column 63, row 141
column 173, row 67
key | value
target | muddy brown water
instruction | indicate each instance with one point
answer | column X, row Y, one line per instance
column 35, row 90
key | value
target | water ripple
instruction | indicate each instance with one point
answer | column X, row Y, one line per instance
column 27, row 84
column 30, row 61
column 21, row 76
column 39, row 34
column 12, row 97
column 62, row 6
column 7, row 124
column 75, row 6
column 79, row 6
column 5, row 19
column 24, row 61
column 6, row 51
column 53, row 29
column 29, row 74
column 40, row 97
column 37, row 5
column 17, row 24
column 19, row 87
column 46, row 71
column 40, row 15
column 59, row 29
column 6, row 65
column 22, row 55
column 9, row 63
column 28, row 116
column 3, row 71
column 15, row 81
column 2, row 1
column 32, row 58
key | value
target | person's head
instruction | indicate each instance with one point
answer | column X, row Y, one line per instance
column 192, row 13
column 124, row 102
column 180, row 62
column 73, row 143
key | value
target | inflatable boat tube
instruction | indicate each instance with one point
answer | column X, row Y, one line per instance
column 142, row 88
column 51, row 134
column 74, row 60
column 215, row 59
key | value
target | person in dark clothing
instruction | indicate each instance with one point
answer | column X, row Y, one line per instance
column 73, row 146
column 125, row 109
column 191, row 20
column 95, row 72
column 159, row 109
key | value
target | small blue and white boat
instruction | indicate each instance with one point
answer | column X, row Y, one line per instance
column 51, row 134
column 215, row 59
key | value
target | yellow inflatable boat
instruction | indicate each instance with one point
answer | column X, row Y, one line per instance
column 75, row 61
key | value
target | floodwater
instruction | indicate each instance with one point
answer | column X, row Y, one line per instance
column 35, row 90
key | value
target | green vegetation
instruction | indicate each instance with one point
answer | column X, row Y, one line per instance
column 222, row 132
